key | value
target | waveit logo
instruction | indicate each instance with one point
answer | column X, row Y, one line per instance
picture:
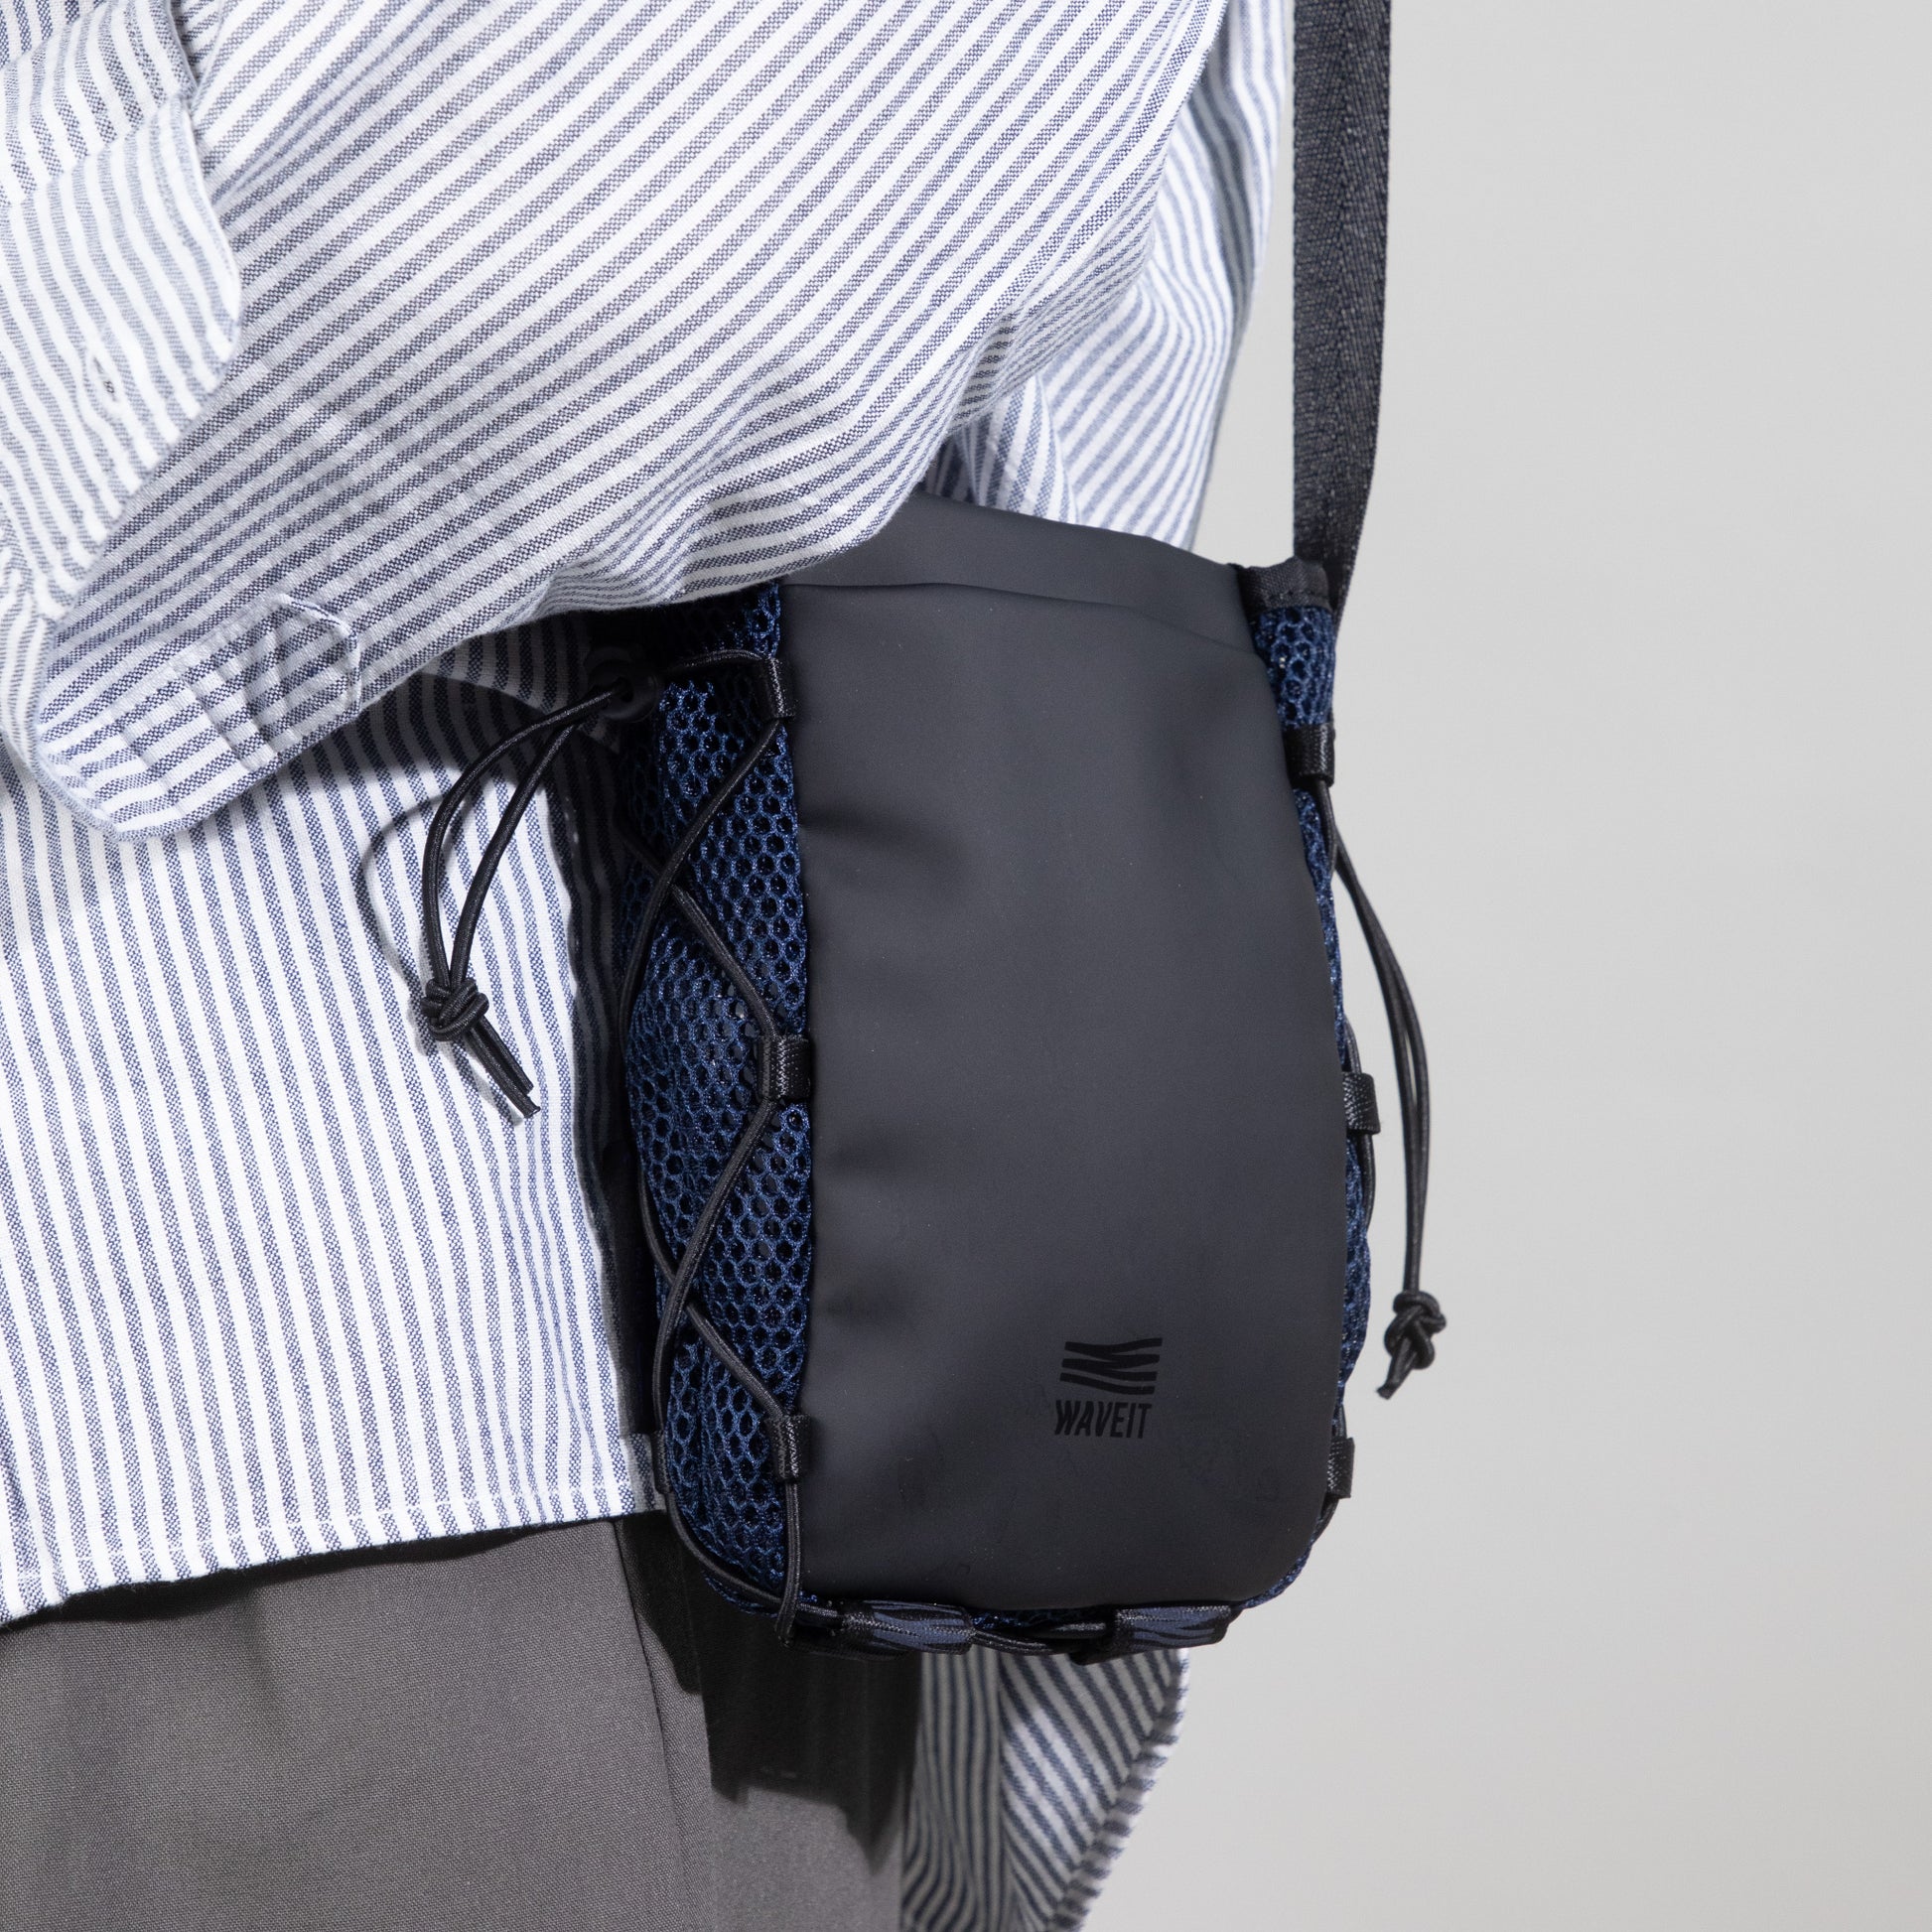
column 1121, row 1369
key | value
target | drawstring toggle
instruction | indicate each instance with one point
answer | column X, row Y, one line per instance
column 1411, row 1336
column 452, row 1012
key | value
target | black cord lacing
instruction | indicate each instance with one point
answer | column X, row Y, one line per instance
column 683, row 1306
column 1419, row 1319
column 456, row 1010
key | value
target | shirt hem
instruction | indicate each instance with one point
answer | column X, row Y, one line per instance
column 439, row 1519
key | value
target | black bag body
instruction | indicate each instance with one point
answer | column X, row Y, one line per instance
column 991, row 1089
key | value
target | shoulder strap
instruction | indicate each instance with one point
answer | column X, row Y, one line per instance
column 1341, row 233
column 1342, row 206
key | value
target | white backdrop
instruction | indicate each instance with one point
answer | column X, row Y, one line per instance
column 1627, row 1625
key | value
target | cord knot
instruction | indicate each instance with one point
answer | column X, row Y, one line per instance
column 1411, row 1336
column 453, row 1011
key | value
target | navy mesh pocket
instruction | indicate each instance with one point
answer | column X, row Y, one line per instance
column 691, row 1071
column 1299, row 648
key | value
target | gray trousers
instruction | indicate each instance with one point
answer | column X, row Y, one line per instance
column 561, row 1727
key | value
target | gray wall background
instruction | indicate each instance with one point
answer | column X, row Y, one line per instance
column 1627, row 1625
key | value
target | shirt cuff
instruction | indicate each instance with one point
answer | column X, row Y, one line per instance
column 120, row 308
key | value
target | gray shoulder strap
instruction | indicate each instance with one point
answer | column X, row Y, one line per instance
column 1341, row 201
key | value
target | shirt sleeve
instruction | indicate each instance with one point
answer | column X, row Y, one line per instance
column 508, row 352
column 120, row 308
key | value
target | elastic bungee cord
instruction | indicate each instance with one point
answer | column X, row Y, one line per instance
column 456, row 1010
column 1419, row 1319
column 452, row 1005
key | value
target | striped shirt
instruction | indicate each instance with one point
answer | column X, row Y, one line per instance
column 344, row 351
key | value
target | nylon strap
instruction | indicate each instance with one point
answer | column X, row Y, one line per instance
column 1342, row 224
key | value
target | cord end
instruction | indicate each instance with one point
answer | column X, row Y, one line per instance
column 1411, row 1336
column 456, row 1013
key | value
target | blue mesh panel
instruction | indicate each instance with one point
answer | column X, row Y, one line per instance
column 1299, row 648
column 690, row 1067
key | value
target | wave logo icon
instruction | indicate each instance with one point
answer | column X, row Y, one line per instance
column 1113, row 1367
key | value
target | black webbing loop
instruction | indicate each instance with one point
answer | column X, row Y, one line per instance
column 790, row 1438
column 1341, row 212
column 1359, row 1113
column 1341, row 1463
column 1293, row 584
column 1364, row 1139
column 785, row 1067
column 775, row 693
column 1311, row 754
column 1342, row 1471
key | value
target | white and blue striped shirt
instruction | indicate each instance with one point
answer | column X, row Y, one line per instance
column 342, row 349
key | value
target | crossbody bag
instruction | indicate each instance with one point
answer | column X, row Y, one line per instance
column 1003, row 1149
